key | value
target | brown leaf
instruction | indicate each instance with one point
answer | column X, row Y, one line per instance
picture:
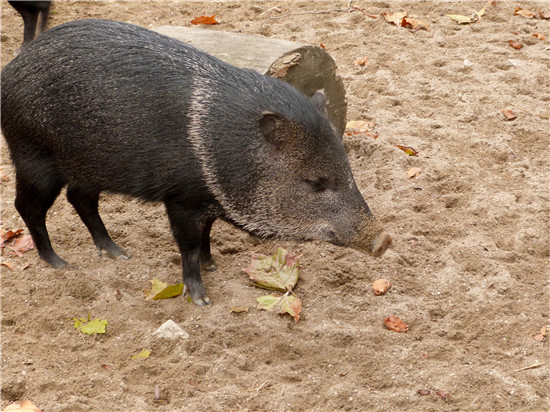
column 539, row 36
column 524, row 13
column 381, row 286
column 395, row 18
column 509, row 114
column 22, row 245
column 239, row 309
column 205, row 20
column 515, row 44
column 423, row 391
column 361, row 127
column 9, row 234
column 413, row 172
column 544, row 14
column 542, row 334
column 363, row 61
column 414, row 24
column 409, row 150
column 10, row 266
column 323, row 46
column 25, row 406
column 443, row 394
column 396, row 324
column 3, row 177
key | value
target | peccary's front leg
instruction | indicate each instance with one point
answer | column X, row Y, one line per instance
column 187, row 227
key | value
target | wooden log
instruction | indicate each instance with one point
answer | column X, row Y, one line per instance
column 308, row 68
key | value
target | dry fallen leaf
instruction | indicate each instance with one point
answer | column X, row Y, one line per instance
column 544, row 14
column 423, row 391
column 515, row 44
column 414, row 24
column 524, row 13
column 381, row 286
column 323, row 46
column 363, row 61
column 395, row 18
column 540, row 337
column 539, row 36
column 205, row 20
column 443, row 394
column 8, row 265
column 277, row 272
column 239, row 309
column 407, row 149
column 8, row 235
column 361, row 127
column 3, row 177
column 460, row 19
column 509, row 114
column 22, row 245
column 287, row 303
column 25, row 406
column 413, row 172
column 396, row 324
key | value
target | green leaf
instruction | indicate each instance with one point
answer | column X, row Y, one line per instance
column 287, row 303
column 278, row 272
column 169, row 292
column 268, row 302
column 90, row 326
column 143, row 354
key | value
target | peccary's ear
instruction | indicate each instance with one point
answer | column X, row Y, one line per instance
column 276, row 129
column 319, row 99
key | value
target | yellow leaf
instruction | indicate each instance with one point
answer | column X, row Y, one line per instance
column 461, row 19
column 169, row 292
column 143, row 354
column 156, row 287
column 409, row 150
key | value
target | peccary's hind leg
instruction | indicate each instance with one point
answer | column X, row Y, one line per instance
column 206, row 259
column 30, row 19
column 187, row 227
column 32, row 200
column 86, row 205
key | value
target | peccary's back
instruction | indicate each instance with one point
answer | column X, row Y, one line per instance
column 125, row 109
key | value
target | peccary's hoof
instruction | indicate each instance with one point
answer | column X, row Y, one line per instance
column 114, row 251
column 202, row 301
column 210, row 267
column 57, row 263
column 380, row 244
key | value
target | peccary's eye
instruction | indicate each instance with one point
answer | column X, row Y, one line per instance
column 319, row 184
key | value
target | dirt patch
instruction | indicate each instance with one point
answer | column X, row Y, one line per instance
column 469, row 266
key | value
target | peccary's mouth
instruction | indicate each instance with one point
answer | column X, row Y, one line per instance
column 380, row 244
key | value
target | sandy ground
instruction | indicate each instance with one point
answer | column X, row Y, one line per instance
column 469, row 266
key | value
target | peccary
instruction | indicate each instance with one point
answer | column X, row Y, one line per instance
column 100, row 105
column 30, row 10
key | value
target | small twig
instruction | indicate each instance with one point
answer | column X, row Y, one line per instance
column 301, row 13
column 544, row 116
column 274, row 7
column 261, row 386
column 533, row 366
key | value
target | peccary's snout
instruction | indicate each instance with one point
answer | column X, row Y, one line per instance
column 380, row 243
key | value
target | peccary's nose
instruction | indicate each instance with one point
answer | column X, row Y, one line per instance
column 380, row 244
